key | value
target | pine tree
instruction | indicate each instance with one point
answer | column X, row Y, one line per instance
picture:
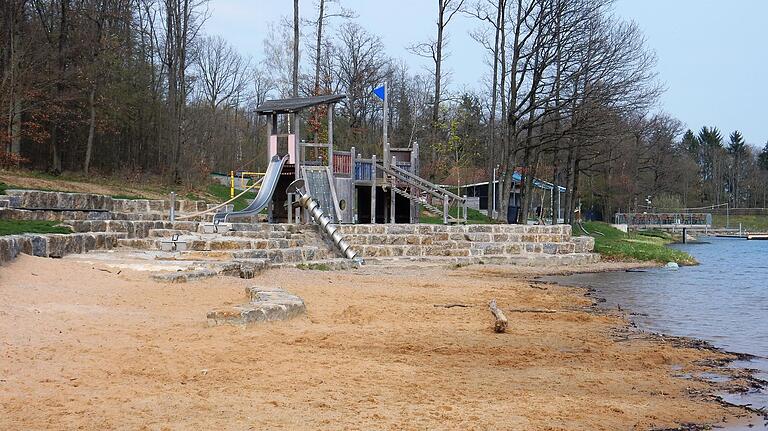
column 762, row 159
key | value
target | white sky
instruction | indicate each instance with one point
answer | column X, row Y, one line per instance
column 712, row 54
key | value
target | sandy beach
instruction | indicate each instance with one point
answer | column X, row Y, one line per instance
column 84, row 347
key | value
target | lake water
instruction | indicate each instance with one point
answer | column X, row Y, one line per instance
column 724, row 300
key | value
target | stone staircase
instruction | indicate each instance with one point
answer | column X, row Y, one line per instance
column 136, row 231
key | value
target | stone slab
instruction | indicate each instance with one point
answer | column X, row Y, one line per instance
column 266, row 304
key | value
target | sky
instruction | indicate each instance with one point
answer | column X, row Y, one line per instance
column 712, row 54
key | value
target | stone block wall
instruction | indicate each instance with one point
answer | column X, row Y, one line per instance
column 462, row 240
column 130, row 228
column 35, row 199
column 54, row 245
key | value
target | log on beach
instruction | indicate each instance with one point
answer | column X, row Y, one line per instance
column 501, row 320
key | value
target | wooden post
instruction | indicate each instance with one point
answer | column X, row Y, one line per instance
column 297, row 140
column 415, row 171
column 501, row 323
column 330, row 136
column 373, row 189
column 392, row 194
column 445, row 209
column 353, row 204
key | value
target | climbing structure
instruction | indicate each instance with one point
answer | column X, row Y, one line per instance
column 347, row 187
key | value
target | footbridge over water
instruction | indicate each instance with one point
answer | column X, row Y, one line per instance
column 665, row 221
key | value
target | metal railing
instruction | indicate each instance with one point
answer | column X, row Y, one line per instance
column 664, row 219
column 426, row 192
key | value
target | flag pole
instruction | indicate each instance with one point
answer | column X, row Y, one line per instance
column 386, row 122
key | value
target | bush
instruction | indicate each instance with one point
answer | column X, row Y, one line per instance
column 11, row 160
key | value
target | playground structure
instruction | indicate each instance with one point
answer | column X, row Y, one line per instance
column 348, row 188
column 324, row 207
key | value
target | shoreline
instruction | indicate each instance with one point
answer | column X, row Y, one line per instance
column 385, row 355
column 740, row 379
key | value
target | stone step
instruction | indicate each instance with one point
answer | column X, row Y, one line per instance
column 195, row 243
column 466, row 249
column 262, row 234
column 244, row 268
column 528, row 259
column 167, row 233
column 133, row 228
column 439, row 238
column 265, row 304
column 55, row 245
column 277, row 256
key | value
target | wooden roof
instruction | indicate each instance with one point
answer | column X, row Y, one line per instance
column 296, row 104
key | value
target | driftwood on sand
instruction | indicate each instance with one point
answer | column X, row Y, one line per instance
column 501, row 320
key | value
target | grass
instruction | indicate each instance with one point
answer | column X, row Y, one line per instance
column 221, row 193
column 753, row 223
column 473, row 217
column 650, row 246
column 3, row 187
column 13, row 227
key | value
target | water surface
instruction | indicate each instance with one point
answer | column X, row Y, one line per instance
column 724, row 300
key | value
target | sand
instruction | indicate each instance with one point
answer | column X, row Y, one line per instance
column 83, row 348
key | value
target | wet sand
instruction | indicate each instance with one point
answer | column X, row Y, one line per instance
column 89, row 349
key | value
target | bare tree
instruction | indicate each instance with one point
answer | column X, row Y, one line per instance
column 433, row 49
column 183, row 20
column 222, row 72
column 325, row 13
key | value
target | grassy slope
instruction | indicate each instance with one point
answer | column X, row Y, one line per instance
column 221, row 193
column 752, row 223
column 12, row 227
column 644, row 246
column 473, row 217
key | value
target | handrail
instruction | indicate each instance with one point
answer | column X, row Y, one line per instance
column 436, row 190
column 433, row 189
column 257, row 182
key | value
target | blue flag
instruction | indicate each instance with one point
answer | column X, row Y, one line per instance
column 379, row 92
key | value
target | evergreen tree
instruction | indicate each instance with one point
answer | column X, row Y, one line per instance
column 690, row 143
column 762, row 159
column 737, row 147
column 710, row 137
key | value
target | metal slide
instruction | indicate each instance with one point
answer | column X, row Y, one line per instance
column 311, row 205
column 268, row 186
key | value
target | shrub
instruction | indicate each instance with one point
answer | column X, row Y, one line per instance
column 11, row 160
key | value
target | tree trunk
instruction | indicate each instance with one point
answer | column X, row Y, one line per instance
column 61, row 64
column 491, row 154
column 91, row 130
column 320, row 19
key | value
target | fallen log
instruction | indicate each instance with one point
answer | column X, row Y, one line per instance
column 531, row 310
column 501, row 320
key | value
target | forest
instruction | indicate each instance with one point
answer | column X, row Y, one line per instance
column 570, row 95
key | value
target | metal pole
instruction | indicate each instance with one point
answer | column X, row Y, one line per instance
column 386, row 122
column 173, row 206
column 445, row 209
column 330, row 138
column 373, row 189
column 493, row 193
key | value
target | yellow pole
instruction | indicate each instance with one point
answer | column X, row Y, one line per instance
column 231, row 184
